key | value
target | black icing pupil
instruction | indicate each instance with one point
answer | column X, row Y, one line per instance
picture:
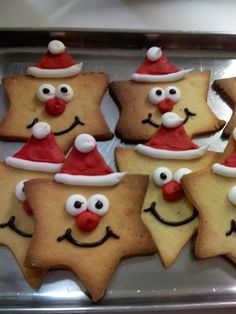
column 99, row 205
column 158, row 92
column 172, row 91
column 163, row 176
column 64, row 90
column 78, row 204
column 46, row 91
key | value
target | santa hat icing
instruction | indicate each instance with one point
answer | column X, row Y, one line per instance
column 157, row 68
column 85, row 166
column 55, row 63
column 228, row 167
column 40, row 153
column 171, row 141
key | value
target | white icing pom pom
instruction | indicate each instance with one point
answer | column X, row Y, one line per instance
column 19, row 191
column 56, row 47
column 154, row 53
column 41, row 129
column 85, row 143
column 171, row 120
column 234, row 134
column 180, row 173
column 232, row 195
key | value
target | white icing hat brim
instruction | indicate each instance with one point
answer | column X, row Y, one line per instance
column 33, row 165
column 101, row 180
column 159, row 78
column 171, row 154
column 66, row 72
column 224, row 170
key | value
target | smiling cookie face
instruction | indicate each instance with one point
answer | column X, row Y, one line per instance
column 142, row 104
column 16, row 224
column 167, row 213
column 78, row 227
column 70, row 105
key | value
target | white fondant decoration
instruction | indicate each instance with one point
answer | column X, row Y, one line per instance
column 33, row 165
column 171, row 120
column 40, row 130
column 46, row 92
column 56, row 47
column 19, row 191
column 53, row 73
column 154, row 97
column 98, row 204
column 72, row 204
column 223, row 170
column 180, row 173
column 176, row 96
column 68, row 95
column 171, row 154
column 101, row 180
column 234, row 134
column 154, row 53
column 232, row 195
column 85, row 143
column 162, row 175
column 151, row 78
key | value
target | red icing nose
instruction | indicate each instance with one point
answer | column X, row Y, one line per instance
column 166, row 105
column 55, row 106
column 27, row 208
column 87, row 221
column 172, row 191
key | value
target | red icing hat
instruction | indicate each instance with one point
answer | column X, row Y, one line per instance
column 55, row 63
column 171, row 141
column 157, row 68
column 85, row 165
column 40, row 153
column 228, row 168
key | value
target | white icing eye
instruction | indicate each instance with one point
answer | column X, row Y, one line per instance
column 181, row 172
column 173, row 93
column 162, row 175
column 98, row 204
column 154, row 53
column 76, row 204
column 156, row 95
column 46, row 92
column 19, row 191
column 232, row 195
column 64, row 91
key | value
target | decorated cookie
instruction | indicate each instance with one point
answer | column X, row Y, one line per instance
column 157, row 87
column 87, row 218
column 226, row 89
column 55, row 91
column 213, row 192
column 166, row 212
column 39, row 155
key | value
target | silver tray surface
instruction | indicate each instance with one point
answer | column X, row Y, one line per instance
column 140, row 284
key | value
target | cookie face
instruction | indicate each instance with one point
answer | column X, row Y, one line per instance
column 16, row 225
column 171, row 224
column 71, row 105
column 142, row 104
column 92, row 255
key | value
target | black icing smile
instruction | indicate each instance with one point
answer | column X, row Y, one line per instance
column 149, row 120
column 11, row 224
column 71, row 127
column 68, row 236
column 152, row 210
column 232, row 228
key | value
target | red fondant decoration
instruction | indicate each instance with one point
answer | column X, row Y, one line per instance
column 55, row 106
column 166, row 105
column 159, row 67
column 87, row 221
column 172, row 191
column 42, row 150
column 88, row 164
column 55, row 61
column 172, row 139
column 27, row 208
column 231, row 160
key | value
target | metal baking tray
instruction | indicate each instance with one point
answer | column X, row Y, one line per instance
column 140, row 284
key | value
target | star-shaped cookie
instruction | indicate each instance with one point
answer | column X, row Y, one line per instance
column 141, row 106
column 226, row 88
column 212, row 191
